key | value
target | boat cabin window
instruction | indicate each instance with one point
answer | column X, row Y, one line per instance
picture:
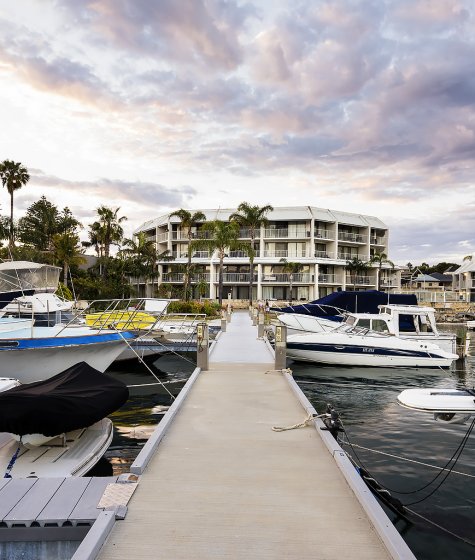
column 379, row 325
column 350, row 320
column 364, row 323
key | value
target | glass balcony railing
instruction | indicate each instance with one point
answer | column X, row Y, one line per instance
column 324, row 255
column 360, row 280
column 300, row 277
column 352, row 237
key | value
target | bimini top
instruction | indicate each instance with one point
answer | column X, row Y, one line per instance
column 355, row 302
column 75, row 398
column 26, row 275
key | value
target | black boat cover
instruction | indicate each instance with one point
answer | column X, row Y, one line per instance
column 355, row 302
column 75, row 398
column 7, row 297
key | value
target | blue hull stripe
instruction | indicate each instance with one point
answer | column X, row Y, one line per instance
column 58, row 341
column 353, row 349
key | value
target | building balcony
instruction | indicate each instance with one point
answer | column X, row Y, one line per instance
column 323, row 234
column 240, row 254
column 284, row 233
column 352, row 237
column 324, row 255
column 347, row 256
column 329, row 279
column 284, row 278
column 377, row 241
column 360, row 280
column 162, row 237
column 178, row 277
column 286, row 254
column 235, row 278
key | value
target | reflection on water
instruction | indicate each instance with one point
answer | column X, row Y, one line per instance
column 366, row 400
column 398, row 441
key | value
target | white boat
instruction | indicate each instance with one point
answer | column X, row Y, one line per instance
column 351, row 346
column 69, row 410
column 36, row 353
column 410, row 322
column 447, row 405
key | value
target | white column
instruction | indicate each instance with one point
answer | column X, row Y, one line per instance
column 259, row 281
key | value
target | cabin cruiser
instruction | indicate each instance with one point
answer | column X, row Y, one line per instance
column 357, row 346
column 410, row 322
column 58, row 427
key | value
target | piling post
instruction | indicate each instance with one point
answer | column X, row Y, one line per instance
column 223, row 321
column 260, row 325
column 202, row 346
column 280, row 347
column 254, row 317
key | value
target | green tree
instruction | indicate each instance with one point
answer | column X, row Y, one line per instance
column 43, row 221
column 187, row 221
column 251, row 217
column 380, row 259
column 68, row 251
column 291, row 268
column 105, row 232
column 356, row 266
column 223, row 237
column 142, row 257
column 14, row 176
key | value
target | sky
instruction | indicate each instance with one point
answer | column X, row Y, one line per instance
column 154, row 105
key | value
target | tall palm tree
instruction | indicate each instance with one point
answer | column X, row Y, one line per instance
column 68, row 251
column 142, row 256
column 292, row 268
column 380, row 259
column 223, row 237
column 14, row 176
column 252, row 217
column 356, row 266
column 111, row 230
column 187, row 221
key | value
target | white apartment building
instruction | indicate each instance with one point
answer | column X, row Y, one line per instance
column 321, row 240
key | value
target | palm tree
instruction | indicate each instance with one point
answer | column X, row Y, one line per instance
column 68, row 251
column 252, row 217
column 187, row 221
column 356, row 266
column 380, row 259
column 292, row 268
column 14, row 176
column 223, row 236
column 142, row 256
column 105, row 232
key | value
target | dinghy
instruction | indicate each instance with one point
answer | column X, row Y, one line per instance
column 57, row 427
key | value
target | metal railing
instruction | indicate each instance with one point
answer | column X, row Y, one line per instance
column 171, row 277
column 300, row 277
column 353, row 237
column 348, row 256
column 285, row 233
column 284, row 254
column 377, row 240
column 329, row 279
column 235, row 277
column 322, row 234
column 360, row 280
column 324, row 255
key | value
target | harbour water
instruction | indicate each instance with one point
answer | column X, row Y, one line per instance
column 400, row 448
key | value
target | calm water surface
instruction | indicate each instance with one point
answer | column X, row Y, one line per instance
column 366, row 400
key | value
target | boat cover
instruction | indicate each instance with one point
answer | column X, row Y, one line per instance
column 355, row 302
column 75, row 398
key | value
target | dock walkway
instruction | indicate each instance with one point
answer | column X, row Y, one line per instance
column 223, row 484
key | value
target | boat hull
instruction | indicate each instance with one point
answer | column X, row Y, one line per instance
column 359, row 355
column 35, row 363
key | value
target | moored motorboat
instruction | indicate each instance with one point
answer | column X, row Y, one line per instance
column 361, row 347
column 37, row 353
column 58, row 427
column 447, row 405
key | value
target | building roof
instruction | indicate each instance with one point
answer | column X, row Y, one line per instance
column 280, row 213
column 467, row 265
column 442, row 277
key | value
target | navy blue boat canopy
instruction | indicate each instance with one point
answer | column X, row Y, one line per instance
column 75, row 398
column 355, row 302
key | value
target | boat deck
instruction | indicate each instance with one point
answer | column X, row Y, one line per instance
column 223, row 484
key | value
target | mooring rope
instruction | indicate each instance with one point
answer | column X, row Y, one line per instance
column 12, row 460
column 306, row 422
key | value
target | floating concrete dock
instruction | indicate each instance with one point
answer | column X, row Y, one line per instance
column 218, row 482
